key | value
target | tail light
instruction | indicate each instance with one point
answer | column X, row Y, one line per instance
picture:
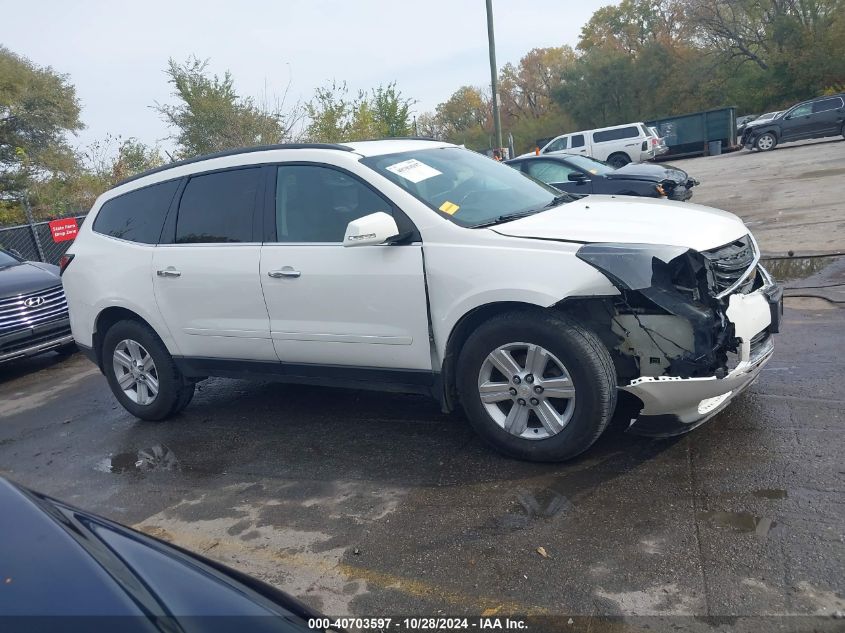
column 64, row 262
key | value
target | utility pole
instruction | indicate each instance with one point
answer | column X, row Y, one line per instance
column 494, row 81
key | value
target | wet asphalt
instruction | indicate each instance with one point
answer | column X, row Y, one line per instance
column 374, row 504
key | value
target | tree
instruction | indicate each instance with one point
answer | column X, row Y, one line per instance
column 464, row 114
column 211, row 116
column 527, row 89
column 38, row 109
column 334, row 116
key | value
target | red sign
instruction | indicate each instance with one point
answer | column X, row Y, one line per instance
column 64, row 230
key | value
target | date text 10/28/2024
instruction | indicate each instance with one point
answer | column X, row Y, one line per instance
column 419, row 624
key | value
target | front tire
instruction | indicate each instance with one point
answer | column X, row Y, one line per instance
column 141, row 372
column 618, row 160
column 766, row 142
column 537, row 386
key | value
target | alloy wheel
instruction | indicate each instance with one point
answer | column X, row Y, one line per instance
column 526, row 390
column 136, row 372
column 765, row 142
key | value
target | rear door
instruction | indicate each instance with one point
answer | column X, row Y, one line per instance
column 205, row 271
column 827, row 116
column 578, row 145
column 356, row 307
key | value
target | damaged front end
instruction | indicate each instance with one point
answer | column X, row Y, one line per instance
column 688, row 331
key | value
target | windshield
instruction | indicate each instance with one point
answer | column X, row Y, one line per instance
column 7, row 259
column 590, row 164
column 466, row 187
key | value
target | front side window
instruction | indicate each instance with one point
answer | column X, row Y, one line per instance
column 218, row 207
column 590, row 165
column 616, row 134
column 824, row 105
column 557, row 145
column 316, row 203
column 464, row 186
column 577, row 141
column 802, row 110
column 549, row 171
column 137, row 216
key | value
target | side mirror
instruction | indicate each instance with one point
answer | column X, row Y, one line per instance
column 372, row 229
column 577, row 176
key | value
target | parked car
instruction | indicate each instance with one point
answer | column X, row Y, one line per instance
column 658, row 142
column 583, row 175
column 33, row 310
column 816, row 118
column 62, row 565
column 618, row 145
column 420, row 266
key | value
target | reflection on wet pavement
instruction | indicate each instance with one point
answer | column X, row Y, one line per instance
column 157, row 457
column 791, row 268
column 737, row 521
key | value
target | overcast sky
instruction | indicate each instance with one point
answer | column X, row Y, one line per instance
column 115, row 53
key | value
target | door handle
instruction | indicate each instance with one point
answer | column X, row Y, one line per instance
column 287, row 271
column 168, row 272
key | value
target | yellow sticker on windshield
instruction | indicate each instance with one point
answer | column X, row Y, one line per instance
column 449, row 207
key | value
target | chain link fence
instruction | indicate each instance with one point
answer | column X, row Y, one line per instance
column 34, row 241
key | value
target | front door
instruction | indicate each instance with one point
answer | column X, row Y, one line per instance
column 556, row 173
column 206, row 270
column 361, row 307
column 798, row 123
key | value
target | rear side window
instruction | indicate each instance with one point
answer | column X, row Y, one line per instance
column 137, row 216
column 823, row 105
column 577, row 140
column 614, row 135
column 218, row 207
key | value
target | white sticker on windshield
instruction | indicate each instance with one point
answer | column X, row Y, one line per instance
column 413, row 170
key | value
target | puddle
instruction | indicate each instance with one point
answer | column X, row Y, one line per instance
column 155, row 458
column 770, row 493
column 791, row 268
column 534, row 505
column 738, row 521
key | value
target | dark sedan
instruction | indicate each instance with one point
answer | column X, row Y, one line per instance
column 584, row 175
column 33, row 309
column 64, row 569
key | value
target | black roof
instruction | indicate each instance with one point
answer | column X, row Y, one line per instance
column 234, row 152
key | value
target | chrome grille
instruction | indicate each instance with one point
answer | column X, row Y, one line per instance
column 16, row 315
column 729, row 265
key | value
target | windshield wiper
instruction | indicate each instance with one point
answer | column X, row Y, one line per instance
column 559, row 199
column 507, row 217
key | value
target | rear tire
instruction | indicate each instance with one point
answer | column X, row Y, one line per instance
column 561, row 352
column 766, row 142
column 620, row 159
column 141, row 372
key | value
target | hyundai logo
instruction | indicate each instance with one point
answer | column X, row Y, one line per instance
column 33, row 302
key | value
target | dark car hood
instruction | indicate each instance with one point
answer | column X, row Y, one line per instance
column 61, row 561
column 27, row 277
column 649, row 171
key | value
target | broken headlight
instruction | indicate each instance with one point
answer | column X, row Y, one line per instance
column 629, row 266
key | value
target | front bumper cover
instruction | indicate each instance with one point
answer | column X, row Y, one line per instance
column 672, row 406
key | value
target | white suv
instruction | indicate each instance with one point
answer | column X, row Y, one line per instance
column 419, row 266
column 617, row 145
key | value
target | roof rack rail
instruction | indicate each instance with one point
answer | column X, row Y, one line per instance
column 234, row 152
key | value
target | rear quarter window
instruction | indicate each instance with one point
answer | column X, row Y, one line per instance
column 823, row 105
column 137, row 216
column 616, row 134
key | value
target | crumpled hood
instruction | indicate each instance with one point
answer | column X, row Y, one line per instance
column 649, row 171
column 631, row 220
